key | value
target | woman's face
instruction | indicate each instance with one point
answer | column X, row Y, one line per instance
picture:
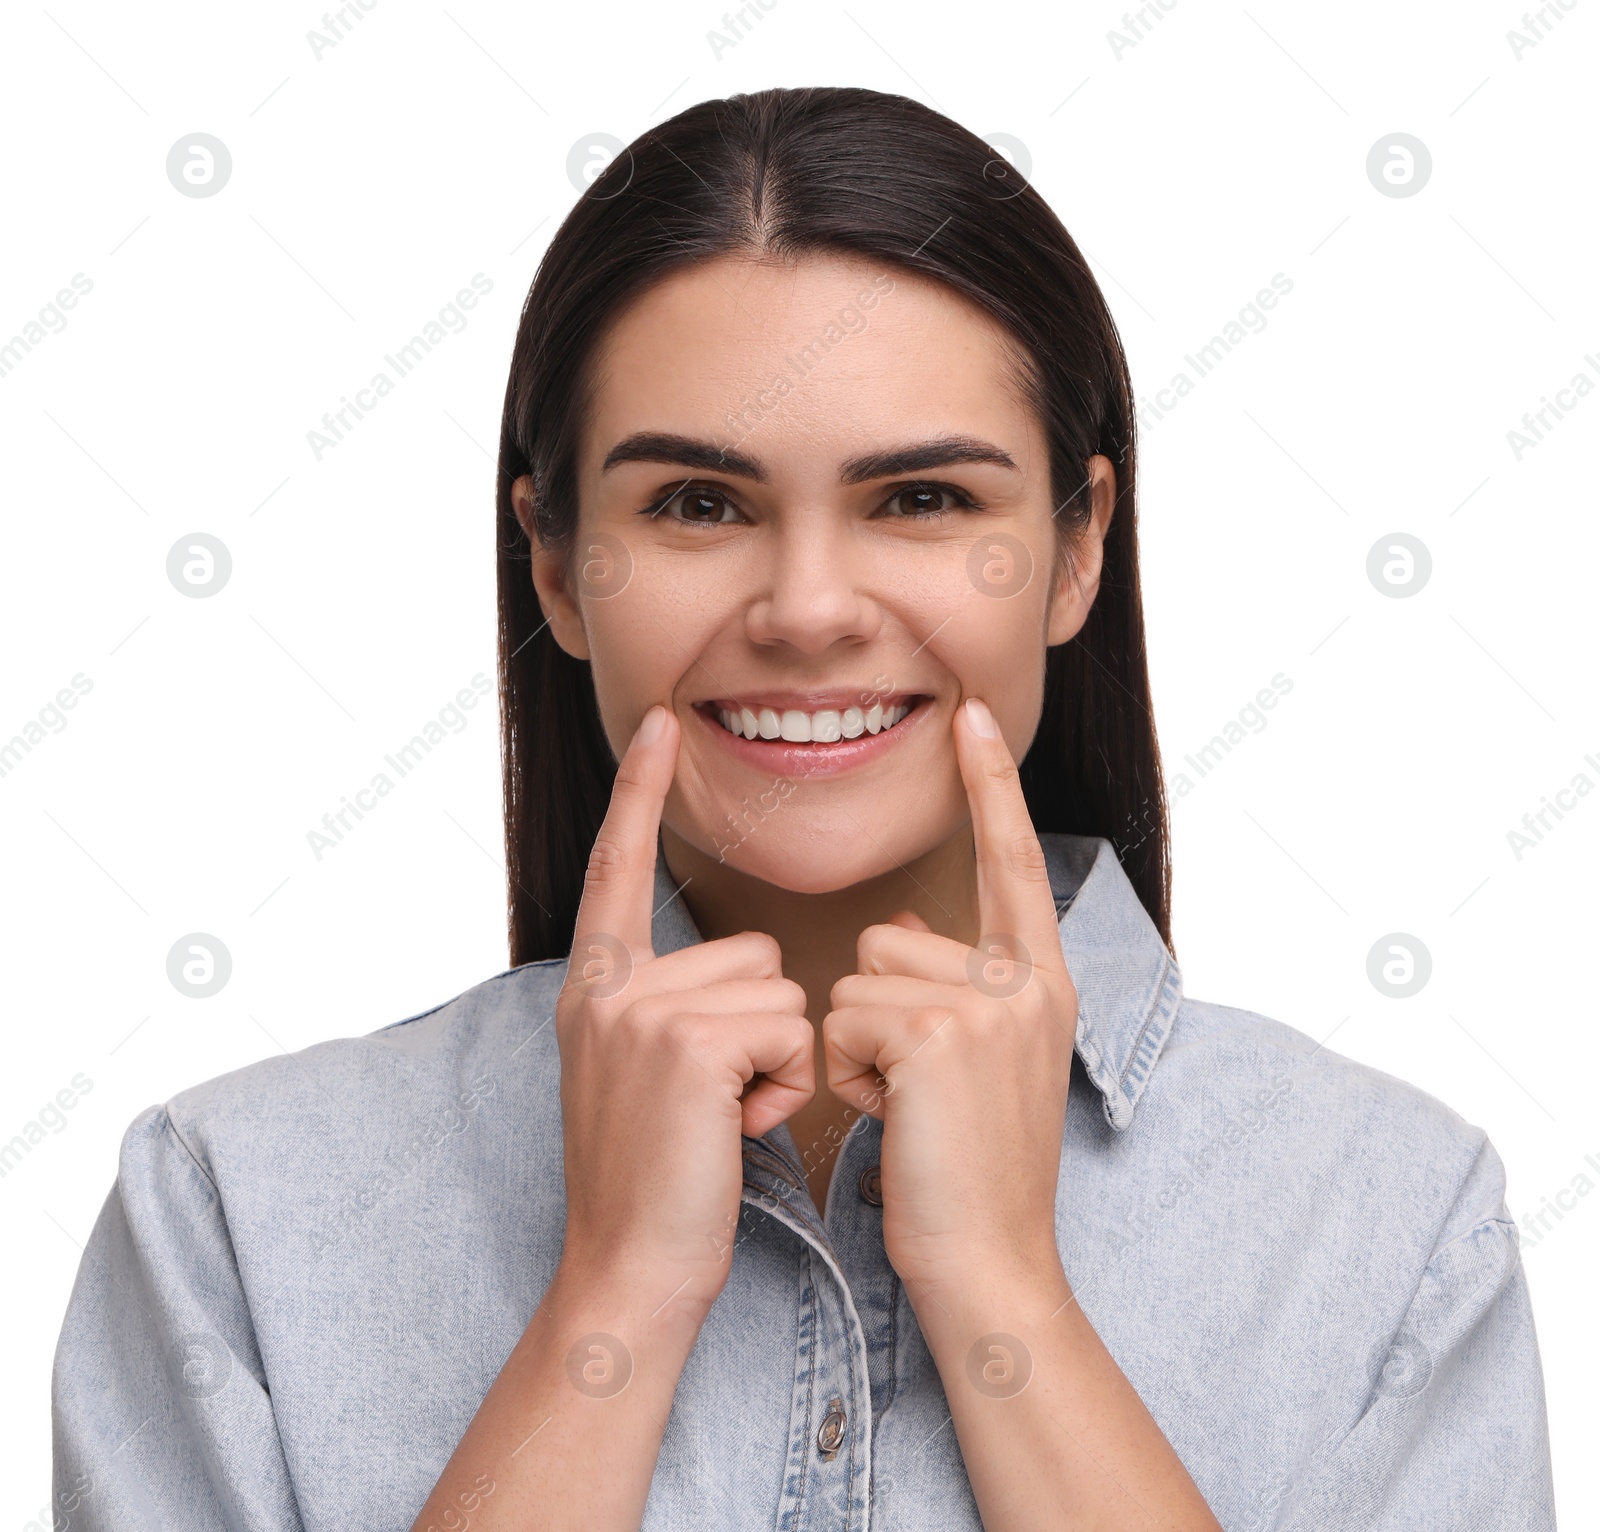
column 814, row 504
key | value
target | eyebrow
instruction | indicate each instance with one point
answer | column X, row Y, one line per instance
column 690, row 452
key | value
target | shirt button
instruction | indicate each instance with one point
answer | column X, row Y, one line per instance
column 831, row 1433
column 872, row 1185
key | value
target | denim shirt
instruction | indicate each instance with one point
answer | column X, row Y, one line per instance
column 310, row 1271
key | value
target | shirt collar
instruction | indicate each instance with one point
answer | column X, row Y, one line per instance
column 1128, row 984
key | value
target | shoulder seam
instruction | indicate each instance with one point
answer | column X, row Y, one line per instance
column 1482, row 1146
column 177, row 1133
column 1478, row 1227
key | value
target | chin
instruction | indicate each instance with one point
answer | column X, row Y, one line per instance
column 816, row 858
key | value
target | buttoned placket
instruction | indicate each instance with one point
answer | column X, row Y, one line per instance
column 855, row 1225
column 828, row 1469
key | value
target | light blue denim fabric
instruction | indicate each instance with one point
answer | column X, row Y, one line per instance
column 310, row 1271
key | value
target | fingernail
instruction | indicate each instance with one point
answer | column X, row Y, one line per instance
column 653, row 723
column 981, row 719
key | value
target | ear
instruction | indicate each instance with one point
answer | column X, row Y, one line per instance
column 549, row 578
column 1079, row 580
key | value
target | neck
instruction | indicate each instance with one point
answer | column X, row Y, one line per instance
column 818, row 932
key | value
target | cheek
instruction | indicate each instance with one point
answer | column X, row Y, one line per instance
column 990, row 589
column 998, row 654
column 644, row 641
column 995, row 648
column 1001, row 567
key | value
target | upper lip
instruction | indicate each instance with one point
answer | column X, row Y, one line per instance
column 837, row 698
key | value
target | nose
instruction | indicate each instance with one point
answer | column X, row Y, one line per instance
column 814, row 588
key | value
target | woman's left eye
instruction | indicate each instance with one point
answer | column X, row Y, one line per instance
column 927, row 502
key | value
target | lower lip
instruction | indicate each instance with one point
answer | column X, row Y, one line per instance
column 782, row 757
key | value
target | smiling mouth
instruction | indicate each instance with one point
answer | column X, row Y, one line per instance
column 823, row 726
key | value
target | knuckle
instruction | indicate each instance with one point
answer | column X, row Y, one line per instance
column 631, row 777
column 1024, row 856
column 692, row 1033
column 608, row 861
column 762, row 951
column 871, row 948
column 645, row 1014
column 1001, row 770
column 601, row 961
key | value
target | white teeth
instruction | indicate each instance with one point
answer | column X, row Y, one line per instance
column 826, row 726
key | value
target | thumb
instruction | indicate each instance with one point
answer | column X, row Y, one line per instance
column 910, row 920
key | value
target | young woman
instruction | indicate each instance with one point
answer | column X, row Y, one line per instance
column 840, row 1150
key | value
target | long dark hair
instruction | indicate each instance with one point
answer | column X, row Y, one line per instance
column 777, row 174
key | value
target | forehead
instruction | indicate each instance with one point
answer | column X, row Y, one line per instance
column 814, row 356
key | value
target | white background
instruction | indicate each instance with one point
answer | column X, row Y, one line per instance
column 370, row 184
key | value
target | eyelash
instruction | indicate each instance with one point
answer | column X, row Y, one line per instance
column 963, row 501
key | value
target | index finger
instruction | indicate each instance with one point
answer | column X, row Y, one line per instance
column 1015, row 901
column 619, row 882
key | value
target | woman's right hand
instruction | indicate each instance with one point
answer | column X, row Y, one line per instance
column 656, row 1055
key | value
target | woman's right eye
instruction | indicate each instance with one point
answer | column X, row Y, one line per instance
column 701, row 507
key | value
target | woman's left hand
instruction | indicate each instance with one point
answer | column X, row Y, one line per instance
column 965, row 1053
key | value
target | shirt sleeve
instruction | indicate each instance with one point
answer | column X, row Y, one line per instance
column 1454, row 1433
column 161, row 1417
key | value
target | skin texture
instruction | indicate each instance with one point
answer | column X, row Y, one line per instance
column 839, row 972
